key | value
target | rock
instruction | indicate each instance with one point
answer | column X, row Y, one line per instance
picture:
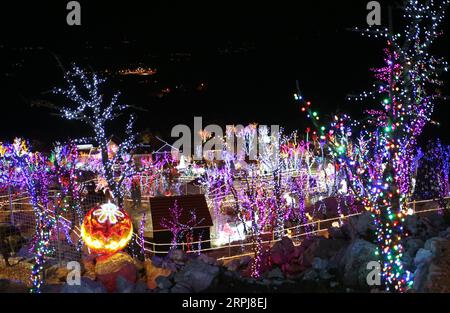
column 438, row 246
column 276, row 273
column 322, row 248
column 157, row 261
column 433, row 276
column 353, row 265
column 412, row 245
column 198, row 275
column 336, row 233
column 163, row 282
column 123, row 285
column 408, row 261
column 51, row 288
column 11, row 240
column 25, row 253
column 206, row 259
column 182, row 287
column 422, row 256
column 414, row 226
column 233, row 265
column 177, row 256
column 319, row 264
column 86, row 286
column 309, row 275
column 153, row 272
column 362, row 226
column 323, row 274
column 56, row 274
column 334, row 284
column 282, row 251
column 12, row 286
column 109, row 268
column 140, row 287
column 292, row 269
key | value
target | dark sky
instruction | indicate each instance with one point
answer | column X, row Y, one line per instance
column 248, row 55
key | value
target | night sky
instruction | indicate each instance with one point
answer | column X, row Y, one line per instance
column 247, row 57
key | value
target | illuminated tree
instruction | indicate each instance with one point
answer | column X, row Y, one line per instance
column 90, row 106
column 377, row 154
column 176, row 226
column 29, row 171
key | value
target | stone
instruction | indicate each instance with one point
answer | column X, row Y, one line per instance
column 362, row 226
column 438, row 246
column 207, row 259
column 292, row 269
column 319, row 264
column 177, row 256
column 109, row 268
column 353, row 265
column 153, row 272
column 86, row 286
column 13, row 286
column 56, row 274
column 163, row 282
column 412, row 245
column 325, row 275
column 422, row 256
column 336, row 233
column 322, row 248
column 182, row 287
column 123, row 285
column 275, row 273
column 11, row 241
column 157, row 261
column 309, row 275
column 282, row 251
column 198, row 275
column 140, row 287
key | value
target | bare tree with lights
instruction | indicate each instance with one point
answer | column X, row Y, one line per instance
column 377, row 154
column 90, row 106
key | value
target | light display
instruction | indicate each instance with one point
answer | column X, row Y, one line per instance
column 29, row 171
column 106, row 229
column 176, row 226
column 96, row 113
column 377, row 155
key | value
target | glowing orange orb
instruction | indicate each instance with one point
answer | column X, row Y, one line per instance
column 106, row 229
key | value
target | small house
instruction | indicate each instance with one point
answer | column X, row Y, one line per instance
column 200, row 231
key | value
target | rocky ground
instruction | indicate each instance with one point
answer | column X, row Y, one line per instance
column 337, row 263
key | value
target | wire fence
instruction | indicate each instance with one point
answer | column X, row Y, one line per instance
column 296, row 233
column 16, row 210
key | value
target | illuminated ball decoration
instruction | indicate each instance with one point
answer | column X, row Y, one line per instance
column 106, row 229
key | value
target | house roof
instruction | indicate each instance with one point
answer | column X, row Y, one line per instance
column 159, row 208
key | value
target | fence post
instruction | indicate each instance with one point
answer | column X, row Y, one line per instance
column 414, row 206
column 11, row 208
column 58, row 245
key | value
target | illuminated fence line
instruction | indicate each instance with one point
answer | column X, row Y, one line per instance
column 242, row 242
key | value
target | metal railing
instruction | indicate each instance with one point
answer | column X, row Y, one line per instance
column 243, row 243
column 20, row 205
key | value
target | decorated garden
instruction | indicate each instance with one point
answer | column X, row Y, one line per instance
column 345, row 205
